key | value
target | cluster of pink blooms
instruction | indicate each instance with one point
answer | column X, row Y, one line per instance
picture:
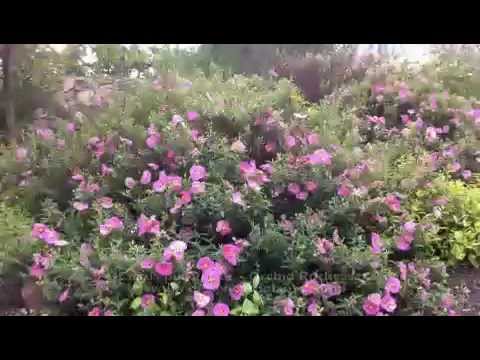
column 148, row 225
column 47, row 235
column 393, row 203
column 375, row 304
column 96, row 311
column 254, row 177
column 319, row 157
column 376, row 120
column 404, row 241
column 377, row 244
column 153, row 137
column 97, row 146
column 174, row 252
column 299, row 193
column 41, row 263
column 111, row 224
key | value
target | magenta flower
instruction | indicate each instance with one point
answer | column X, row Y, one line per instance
column 344, row 190
column 270, row 147
column 38, row 230
column 268, row 168
column 95, row 312
column 293, row 188
column 197, row 172
column 237, row 292
column 46, row 134
column 147, row 301
column 211, row 278
column 204, row 263
column 146, row 225
column 377, row 243
column 223, row 227
column 372, row 303
column 198, row 312
column 175, row 250
column 393, row 203
column 106, row 170
column 112, row 224
column 21, row 154
column 288, row 307
column 185, row 197
column 37, row 271
column 221, row 309
column 147, row 264
column 80, row 206
column 255, row 178
column 410, row 227
column 310, row 287
column 302, row 195
column 392, row 286
column 146, row 177
column 192, row 115
column 164, row 268
column 71, row 127
column 404, row 241
column 320, row 157
column 312, row 308
column 324, row 246
column 376, row 120
column 230, row 253
column 388, row 303
column 466, row 174
column 313, row 139
column 153, row 141
column 64, row 296
column 106, row 202
column 130, row 182
column 290, row 141
column 201, row 300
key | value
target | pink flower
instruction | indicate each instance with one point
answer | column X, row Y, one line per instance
column 147, row 300
column 320, row 157
column 197, row 187
column 288, row 307
column 237, row 198
column 377, row 120
column 21, row 154
column 185, row 197
column 46, row 134
column 106, row 170
column 64, row 296
column 175, row 250
column 146, row 225
column 313, row 139
column 106, row 202
column 392, row 286
column 198, row 312
column 329, row 290
column 164, row 268
column 238, row 147
column 270, row 147
column 290, row 141
column 112, row 224
column 80, row 206
column 230, row 253
column 467, row 174
column 153, row 141
column 324, row 246
column 403, row 271
column 378, row 89
column 71, row 127
column 268, row 168
column 372, row 303
column 223, row 227
column 211, row 278
column 454, row 167
column 312, row 308
column 201, row 300
column 177, row 119
column 204, row 263
column 78, row 177
column 147, row 264
column 221, row 309
column 302, row 195
column 310, row 287
column 344, row 190
column 377, row 243
column 37, row 271
column 393, row 203
column 310, row 186
column 388, row 303
column 410, row 227
column 431, row 134
column 146, row 177
column 197, row 172
column 237, row 292
column 293, row 188
column 405, row 119
column 433, row 102
column 404, row 241
column 192, row 115
column 130, row 182
column 38, row 230
column 255, row 178
column 153, row 166
column 95, row 312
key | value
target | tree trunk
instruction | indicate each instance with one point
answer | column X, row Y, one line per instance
column 9, row 81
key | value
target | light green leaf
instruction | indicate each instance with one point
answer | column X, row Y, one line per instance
column 249, row 308
column 136, row 303
column 256, row 281
column 248, row 288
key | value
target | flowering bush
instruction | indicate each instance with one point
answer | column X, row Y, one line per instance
column 237, row 198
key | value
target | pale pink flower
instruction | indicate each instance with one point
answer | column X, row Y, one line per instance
column 313, row 139
column 310, row 287
column 388, row 303
column 78, row 177
column 64, row 296
column 177, row 119
column 312, row 308
column 211, row 278
column 198, row 187
column 466, row 174
column 403, row 271
column 302, row 195
column 311, row 186
column 221, row 309
column 238, row 147
column 288, row 307
column 153, row 166
column 201, row 300
column 153, row 141
column 404, row 241
column 268, row 168
column 344, row 190
column 46, row 134
column 80, row 206
column 197, row 172
column 393, row 203
column 71, row 127
column 147, row 300
column 324, row 246
column 410, row 227
column 372, row 303
column 237, row 198
column 95, row 312
column 185, row 197
column 106, row 170
column 198, row 312
column 431, row 134
column 37, row 271
column 146, row 177
column 175, row 250
column 290, row 141
column 237, row 292
column 106, row 202
column 320, row 157
column 392, row 285
column 204, row 263
column 293, row 188
column 21, row 154
column 147, row 264
column 223, row 227
column 130, row 182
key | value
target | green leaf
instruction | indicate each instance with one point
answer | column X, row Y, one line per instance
column 136, row 303
column 256, row 281
column 257, row 299
column 249, row 308
column 473, row 260
column 248, row 288
column 236, row 311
